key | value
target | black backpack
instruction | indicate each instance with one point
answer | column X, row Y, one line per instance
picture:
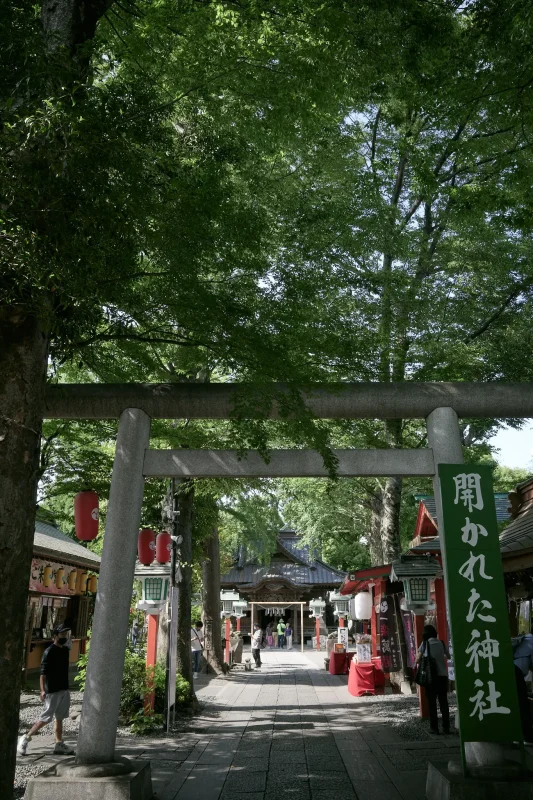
column 427, row 668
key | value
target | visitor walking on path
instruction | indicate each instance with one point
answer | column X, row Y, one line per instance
column 197, row 642
column 257, row 641
column 54, row 693
column 270, row 638
column 438, row 688
column 288, row 636
column 135, row 633
column 281, row 633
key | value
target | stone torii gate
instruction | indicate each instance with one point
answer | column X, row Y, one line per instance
column 440, row 404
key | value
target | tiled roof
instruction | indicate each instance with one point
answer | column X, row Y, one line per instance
column 51, row 542
column 500, row 498
column 301, row 568
column 518, row 535
column 412, row 566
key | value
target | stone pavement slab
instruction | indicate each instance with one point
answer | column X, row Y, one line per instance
column 287, row 732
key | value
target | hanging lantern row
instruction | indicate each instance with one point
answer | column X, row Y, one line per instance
column 86, row 515
column 86, row 582
column 152, row 546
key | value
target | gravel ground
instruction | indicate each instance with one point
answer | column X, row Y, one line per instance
column 30, row 709
column 401, row 712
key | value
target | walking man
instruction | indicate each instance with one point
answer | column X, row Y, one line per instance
column 257, row 641
column 281, row 633
column 197, row 642
column 54, row 693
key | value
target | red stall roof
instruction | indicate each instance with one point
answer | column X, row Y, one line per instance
column 358, row 581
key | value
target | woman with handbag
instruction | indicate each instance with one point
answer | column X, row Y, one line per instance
column 432, row 675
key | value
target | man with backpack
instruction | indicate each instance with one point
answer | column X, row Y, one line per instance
column 433, row 676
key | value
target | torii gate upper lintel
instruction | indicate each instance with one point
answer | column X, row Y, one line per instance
column 403, row 400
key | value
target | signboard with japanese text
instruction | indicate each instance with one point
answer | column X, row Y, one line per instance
column 43, row 577
column 389, row 641
column 407, row 621
column 484, row 670
column 342, row 637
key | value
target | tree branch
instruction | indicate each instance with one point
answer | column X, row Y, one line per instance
column 493, row 317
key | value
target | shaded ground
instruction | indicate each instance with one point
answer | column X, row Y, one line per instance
column 288, row 731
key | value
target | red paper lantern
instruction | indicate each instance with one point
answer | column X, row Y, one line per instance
column 86, row 516
column 163, row 547
column 146, row 546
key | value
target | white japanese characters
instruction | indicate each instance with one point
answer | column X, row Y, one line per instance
column 476, row 607
column 468, row 490
column 483, row 649
column 489, row 705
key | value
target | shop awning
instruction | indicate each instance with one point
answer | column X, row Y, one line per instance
column 358, row 581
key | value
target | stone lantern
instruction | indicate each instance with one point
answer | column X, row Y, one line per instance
column 340, row 603
column 240, row 607
column 416, row 573
column 317, row 608
column 228, row 599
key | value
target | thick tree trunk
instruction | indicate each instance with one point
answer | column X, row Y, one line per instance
column 211, row 603
column 390, row 520
column 23, row 360
column 185, row 523
column 374, row 540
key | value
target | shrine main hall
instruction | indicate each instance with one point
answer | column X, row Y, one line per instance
column 293, row 575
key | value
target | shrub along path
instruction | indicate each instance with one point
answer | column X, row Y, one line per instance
column 288, row 732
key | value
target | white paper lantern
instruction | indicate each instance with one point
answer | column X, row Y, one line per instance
column 363, row 605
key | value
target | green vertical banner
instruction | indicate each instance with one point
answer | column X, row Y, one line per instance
column 483, row 658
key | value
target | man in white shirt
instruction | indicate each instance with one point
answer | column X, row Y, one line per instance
column 197, row 641
column 257, row 640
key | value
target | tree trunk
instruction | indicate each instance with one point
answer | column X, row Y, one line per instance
column 23, row 360
column 374, row 540
column 390, row 520
column 185, row 522
column 211, row 604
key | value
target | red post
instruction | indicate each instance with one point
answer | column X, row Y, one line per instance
column 238, row 623
column 341, row 622
column 151, row 658
column 422, row 699
column 228, row 633
column 317, row 632
column 440, row 598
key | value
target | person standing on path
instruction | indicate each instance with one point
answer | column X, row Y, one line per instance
column 270, row 638
column 54, row 693
column 197, row 643
column 257, row 641
column 438, row 688
column 281, row 633
column 135, row 633
column 288, row 636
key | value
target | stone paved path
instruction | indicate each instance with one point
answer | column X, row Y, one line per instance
column 288, row 732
